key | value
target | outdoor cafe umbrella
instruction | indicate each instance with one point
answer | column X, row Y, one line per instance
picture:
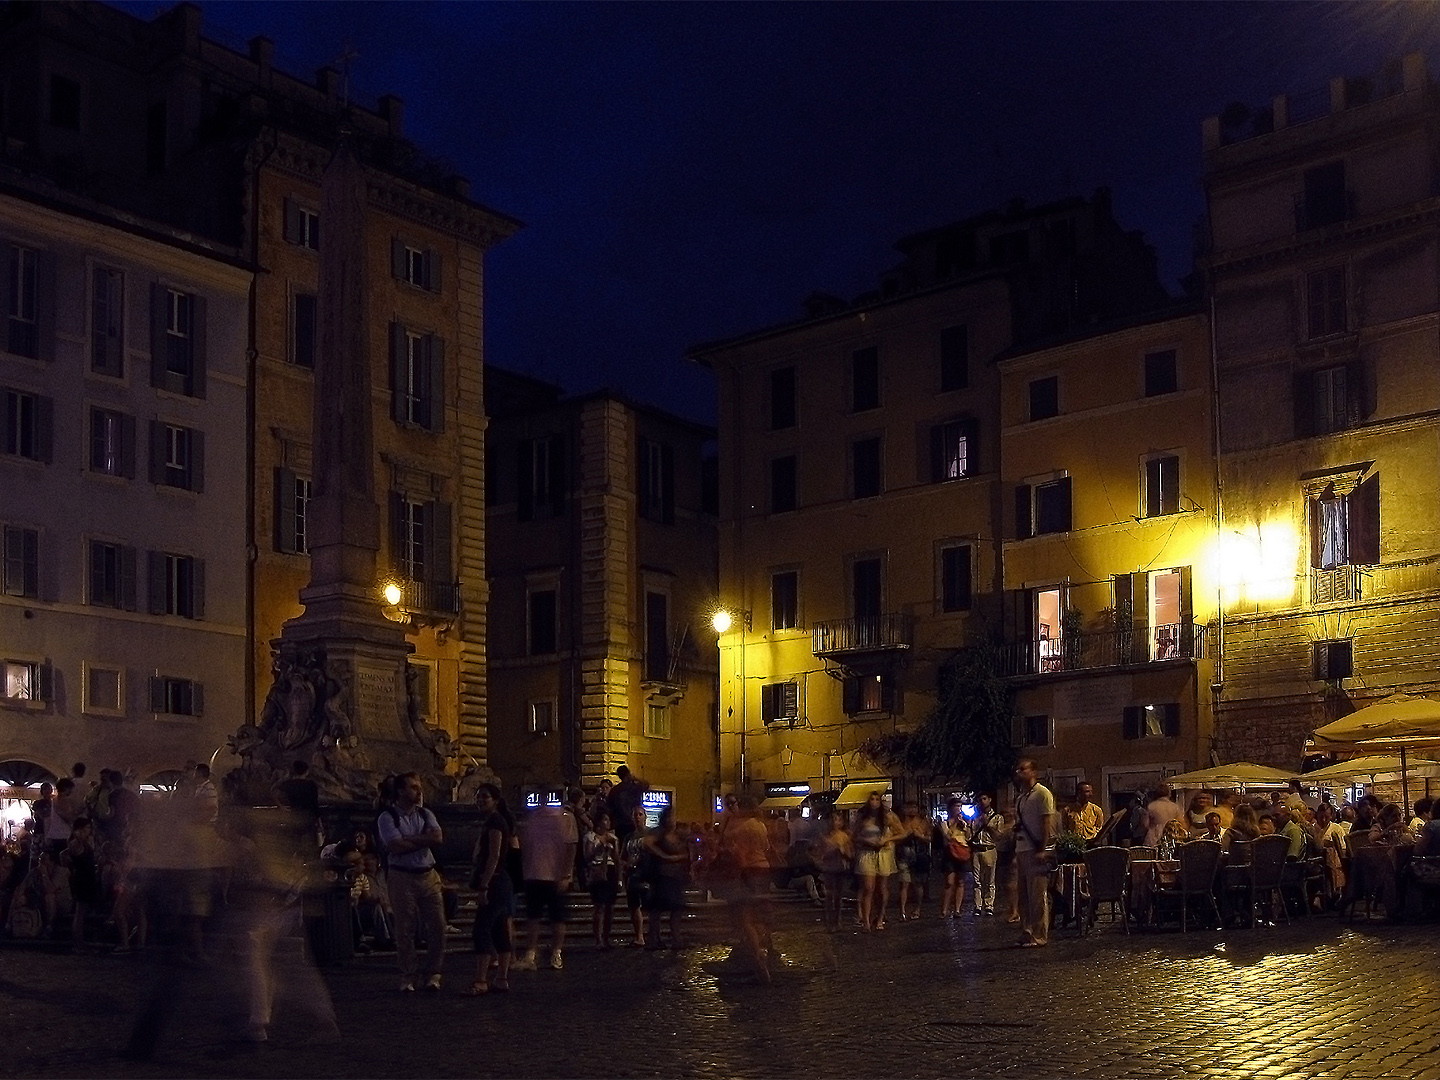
column 1375, row 768
column 1399, row 723
column 1239, row 774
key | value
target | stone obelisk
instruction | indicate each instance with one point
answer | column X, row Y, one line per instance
column 340, row 700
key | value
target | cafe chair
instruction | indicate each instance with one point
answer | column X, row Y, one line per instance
column 1199, row 860
column 1365, row 877
column 1262, row 878
column 1141, row 854
column 1108, row 870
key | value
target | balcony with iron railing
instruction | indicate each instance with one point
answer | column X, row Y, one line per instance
column 665, row 673
column 1104, row 649
column 432, row 598
column 888, row 632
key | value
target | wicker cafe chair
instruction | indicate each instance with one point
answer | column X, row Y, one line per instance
column 1108, row 870
column 1199, row 860
column 1139, row 854
column 1262, row 876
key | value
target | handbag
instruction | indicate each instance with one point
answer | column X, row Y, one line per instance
column 957, row 849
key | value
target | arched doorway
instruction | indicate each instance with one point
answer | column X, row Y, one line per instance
column 19, row 787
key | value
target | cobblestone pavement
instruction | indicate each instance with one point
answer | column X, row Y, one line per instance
column 1319, row 998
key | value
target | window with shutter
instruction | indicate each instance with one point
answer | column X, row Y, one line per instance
column 657, row 481
column 22, row 562
column 292, row 510
column 954, row 358
column 1045, row 398
column 1162, row 485
column 866, row 481
column 783, row 413
column 26, row 425
column 955, row 578
column 783, row 487
column 779, row 702
column 107, row 322
column 22, row 305
column 865, row 379
column 1334, row 660
column 543, row 622
column 785, row 600
column 869, row 694
column 303, row 330
column 950, row 451
column 1052, row 506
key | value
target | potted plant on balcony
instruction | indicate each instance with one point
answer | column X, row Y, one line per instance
column 1071, row 622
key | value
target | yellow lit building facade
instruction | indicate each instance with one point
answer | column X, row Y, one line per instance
column 1109, row 568
column 1322, row 259
column 860, row 482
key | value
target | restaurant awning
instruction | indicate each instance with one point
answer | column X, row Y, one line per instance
column 858, row 793
column 782, row 802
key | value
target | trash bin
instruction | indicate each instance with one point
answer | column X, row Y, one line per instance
column 328, row 929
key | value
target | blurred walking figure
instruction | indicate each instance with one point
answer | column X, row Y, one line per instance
column 912, row 860
column 273, row 851
column 744, row 858
column 835, row 855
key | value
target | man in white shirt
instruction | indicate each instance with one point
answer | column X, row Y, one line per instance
column 408, row 835
column 1034, row 836
column 547, row 853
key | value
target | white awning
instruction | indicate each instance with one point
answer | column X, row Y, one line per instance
column 782, row 802
column 858, row 794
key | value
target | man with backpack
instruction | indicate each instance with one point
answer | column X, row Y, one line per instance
column 409, row 835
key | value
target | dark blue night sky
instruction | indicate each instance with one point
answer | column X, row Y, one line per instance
column 687, row 172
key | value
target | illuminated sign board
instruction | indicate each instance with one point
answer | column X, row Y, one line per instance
column 773, row 791
column 654, row 802
column 551, row 797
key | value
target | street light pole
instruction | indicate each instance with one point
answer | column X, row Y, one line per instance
column 722, row 621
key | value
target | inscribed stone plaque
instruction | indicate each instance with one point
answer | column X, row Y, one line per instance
column 1085, row 699
column 375, row 708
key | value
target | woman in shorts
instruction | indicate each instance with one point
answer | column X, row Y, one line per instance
column 875, row 832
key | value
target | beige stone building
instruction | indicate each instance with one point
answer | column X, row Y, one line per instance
column 154, row 119
column 122, row 450
column 1110, row 569
column 602, row 559
column 1322, row 259
column 860, row 494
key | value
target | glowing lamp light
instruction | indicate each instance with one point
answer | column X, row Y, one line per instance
column 392, row 594
column 721, row 621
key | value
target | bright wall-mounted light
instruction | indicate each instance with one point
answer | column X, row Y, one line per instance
column 1258, row 565
column 723, row 620
column 392, row 593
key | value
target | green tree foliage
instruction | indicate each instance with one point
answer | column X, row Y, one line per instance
column 967, row 736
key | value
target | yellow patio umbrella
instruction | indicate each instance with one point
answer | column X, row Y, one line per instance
column 1375, row 768
column 1399, row 723
column 1241, row 774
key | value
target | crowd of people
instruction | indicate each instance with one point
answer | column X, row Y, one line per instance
column 78, row 865
column 86, row 863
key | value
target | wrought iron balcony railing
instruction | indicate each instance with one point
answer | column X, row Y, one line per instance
column 1104, row 649
column 874, row 633
column 430, row 597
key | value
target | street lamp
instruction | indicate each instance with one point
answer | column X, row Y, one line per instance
column 723, row 620
column 392, row 593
